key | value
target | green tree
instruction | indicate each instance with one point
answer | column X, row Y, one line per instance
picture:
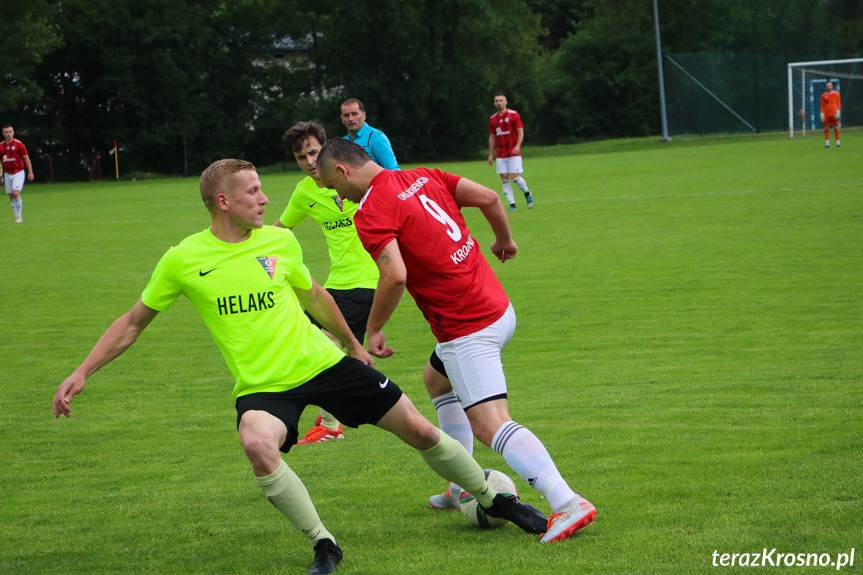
column 427, row 70
column 601, row 83
column 177, row 84
column 29, row 32
column 559, row 18
column 123, row 74
column 180, row 83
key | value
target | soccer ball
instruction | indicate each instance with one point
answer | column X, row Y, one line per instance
column 474, row 512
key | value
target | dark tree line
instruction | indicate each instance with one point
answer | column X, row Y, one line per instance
column 180, row 83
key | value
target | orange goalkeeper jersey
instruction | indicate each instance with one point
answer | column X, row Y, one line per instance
column 830, row 103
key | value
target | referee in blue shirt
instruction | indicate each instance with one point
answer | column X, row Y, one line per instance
column 373, row 141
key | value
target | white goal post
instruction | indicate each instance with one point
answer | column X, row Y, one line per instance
column 805, row 78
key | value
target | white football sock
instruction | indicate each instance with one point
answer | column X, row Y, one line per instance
column 528, row 457
column 519, row 181
column 453, row 421
column 16, row 206
column 507, row 191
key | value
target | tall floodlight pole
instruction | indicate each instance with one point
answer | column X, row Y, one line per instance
column 665, row 137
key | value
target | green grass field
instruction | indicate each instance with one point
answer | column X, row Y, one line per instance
column 689, row 349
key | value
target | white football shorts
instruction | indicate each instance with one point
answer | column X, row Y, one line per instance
column 510, row 165
column 473, row 361
column 14, row 181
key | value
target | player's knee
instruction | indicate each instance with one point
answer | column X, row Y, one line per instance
column 484, row 435
column 260, row 441
column 262, row 453
column 424, row 434
column 409, row 425
column 485, row 429
column 255, row 445
column 486, row 419
column 420, row 434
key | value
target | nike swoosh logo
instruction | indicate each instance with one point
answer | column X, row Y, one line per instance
column 312, row 205
column 383, row 384
column 202, row 274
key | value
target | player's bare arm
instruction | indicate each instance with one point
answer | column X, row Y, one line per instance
column 318, row 302
column 517, row 149
column 491, row 149
column 29, row 168
column 278, row 224
column 471, row 194
column 116, row 340
column 391, row 287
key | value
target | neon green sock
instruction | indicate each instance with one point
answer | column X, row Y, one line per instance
column 328, row 421
column 450, row 460
column 288, row 494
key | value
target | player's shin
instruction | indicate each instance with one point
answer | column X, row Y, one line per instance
column 452, row 462
column 528, row 457
column 507, row 191
column 288, row 494
column 453, row 421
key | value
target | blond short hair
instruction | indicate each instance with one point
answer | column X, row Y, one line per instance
column 216, row 177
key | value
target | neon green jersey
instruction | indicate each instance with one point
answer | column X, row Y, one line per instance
column 244, row 294
column 350, row 264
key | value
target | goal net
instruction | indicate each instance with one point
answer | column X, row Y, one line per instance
column 806, row 83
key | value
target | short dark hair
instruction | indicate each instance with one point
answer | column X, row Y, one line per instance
column 354, row 101
column 500, row 94
column 298, row 133
column 215, row 177
column 343, row 151
column 8, row 126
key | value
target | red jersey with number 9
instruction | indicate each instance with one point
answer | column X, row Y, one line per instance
column 447, row 275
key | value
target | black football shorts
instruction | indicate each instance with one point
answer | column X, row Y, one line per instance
column 353, row 392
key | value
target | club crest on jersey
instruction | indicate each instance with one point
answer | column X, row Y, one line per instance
column 269, row 264
column 339, row 204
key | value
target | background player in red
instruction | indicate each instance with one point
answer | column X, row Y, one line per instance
column 831, row 112
column 14, row 160
column 410, row 222
column 505, row 135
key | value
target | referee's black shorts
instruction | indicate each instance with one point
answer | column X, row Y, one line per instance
column 352, row 391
